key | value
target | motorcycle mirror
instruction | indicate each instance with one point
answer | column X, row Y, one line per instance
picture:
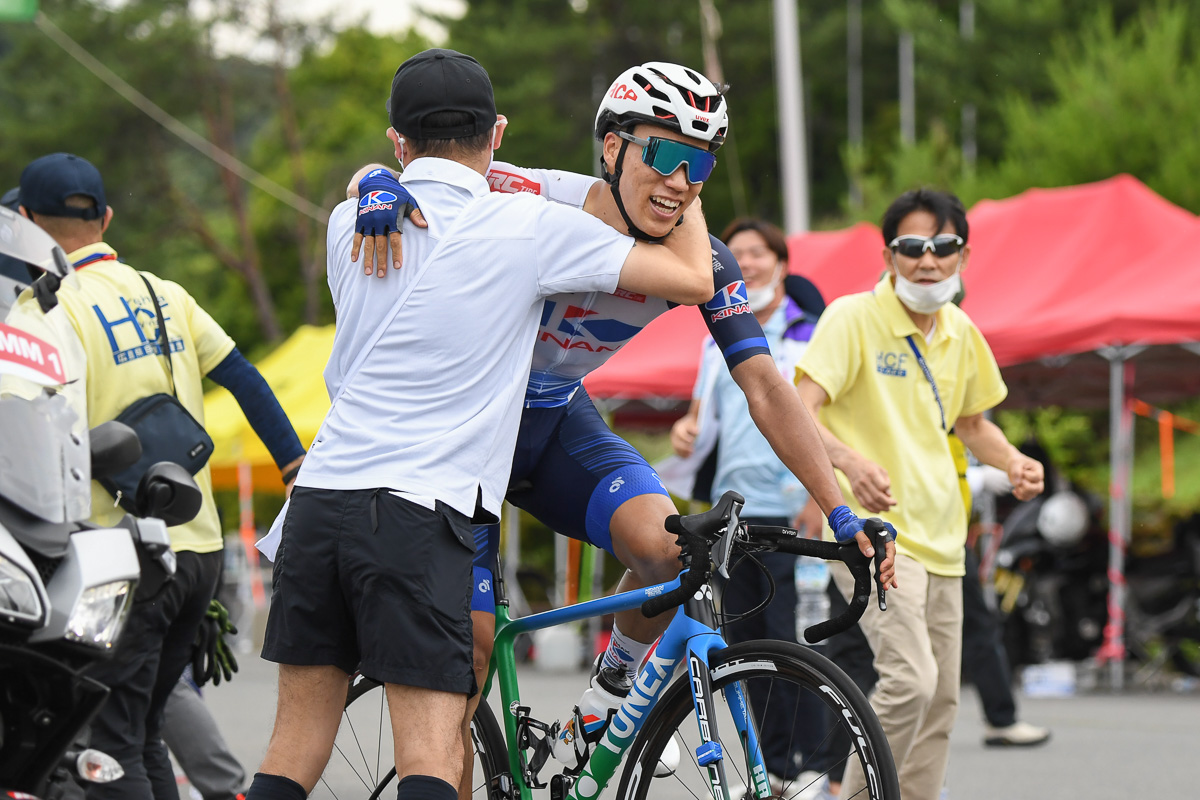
column 115, row 447
column 25, row 241
column 168, row 492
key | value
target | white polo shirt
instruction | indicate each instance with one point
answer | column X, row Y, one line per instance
column 433, row 409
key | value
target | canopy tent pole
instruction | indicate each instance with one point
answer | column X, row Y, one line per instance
column 1120, row 514
column 248, row 533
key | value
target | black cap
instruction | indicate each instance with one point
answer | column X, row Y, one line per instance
column 441, row 80
column 47, row 183
column 11, row 198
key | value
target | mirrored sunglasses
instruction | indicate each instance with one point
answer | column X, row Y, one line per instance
column 942, row 245
column 664, row 156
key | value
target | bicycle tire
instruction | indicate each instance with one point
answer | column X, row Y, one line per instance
column 749, row 662
column 361, row 764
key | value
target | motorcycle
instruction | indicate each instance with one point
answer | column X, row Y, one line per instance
column 1052, row 588
column 66, row 586
column 1051, row 580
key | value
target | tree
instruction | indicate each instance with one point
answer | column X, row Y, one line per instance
column 1124, row 100
column 176, row 215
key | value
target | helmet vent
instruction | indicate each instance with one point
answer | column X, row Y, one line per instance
column 693, row 76
column 663, row 113
column 649, row 88
column 700, row 125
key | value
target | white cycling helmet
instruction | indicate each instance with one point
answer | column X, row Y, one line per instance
column 1063, row 519
column 668, row 95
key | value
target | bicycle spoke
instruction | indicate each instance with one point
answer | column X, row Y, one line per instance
column 689, row 789
column 366, row 715
column 769, row 672
column 378, row 744
column 363, row 755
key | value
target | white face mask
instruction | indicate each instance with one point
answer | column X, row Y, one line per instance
column 927, row 298
column 760, row 298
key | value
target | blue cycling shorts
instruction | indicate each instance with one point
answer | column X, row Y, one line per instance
column 572, row 473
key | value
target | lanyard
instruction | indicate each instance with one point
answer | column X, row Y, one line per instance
column 93, row 258
column 928, row 377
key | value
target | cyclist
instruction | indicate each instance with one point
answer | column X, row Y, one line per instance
column 660, row 125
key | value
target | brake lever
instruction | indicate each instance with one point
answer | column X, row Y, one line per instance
column 881, row 540
column 724, row 548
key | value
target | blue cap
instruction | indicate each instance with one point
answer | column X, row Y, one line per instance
column 48, row 181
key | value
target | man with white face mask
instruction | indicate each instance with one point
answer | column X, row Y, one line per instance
column 889, row 374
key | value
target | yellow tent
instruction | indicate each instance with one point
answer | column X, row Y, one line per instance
column 293, row 371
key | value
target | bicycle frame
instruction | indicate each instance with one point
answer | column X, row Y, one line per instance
column 692, row 633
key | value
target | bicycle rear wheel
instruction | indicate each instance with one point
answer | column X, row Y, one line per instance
column 361, row 764
column 799, row 703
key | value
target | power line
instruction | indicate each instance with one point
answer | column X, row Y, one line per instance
column 156, row 113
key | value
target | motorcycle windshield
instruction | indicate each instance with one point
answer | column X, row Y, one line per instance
column 45, row 469
column 25, row 241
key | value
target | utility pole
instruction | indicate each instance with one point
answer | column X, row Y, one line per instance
column 854, row 89
column 789, row 84
column 908, row 92
column 966, row 29
column 710, row 32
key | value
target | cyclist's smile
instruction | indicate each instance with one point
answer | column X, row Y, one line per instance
column 655, row 201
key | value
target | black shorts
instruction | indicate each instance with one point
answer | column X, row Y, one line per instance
column 367, row 580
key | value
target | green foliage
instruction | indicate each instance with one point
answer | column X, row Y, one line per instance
column 1076, row 442
column 1118, row 96
column 339, row 93
column 1124, row 101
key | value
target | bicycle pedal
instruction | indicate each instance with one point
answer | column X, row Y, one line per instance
column 503, row 787
column 560, row 786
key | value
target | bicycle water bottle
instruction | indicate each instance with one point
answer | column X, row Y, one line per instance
column 608, row 689
column 812, row 603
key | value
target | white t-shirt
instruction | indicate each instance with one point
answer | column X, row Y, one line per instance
column 433, row 409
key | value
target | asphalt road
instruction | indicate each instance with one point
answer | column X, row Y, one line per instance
column 1104, row 746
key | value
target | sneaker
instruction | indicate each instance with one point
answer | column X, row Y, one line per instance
column 808, row 785
column 1019, row 734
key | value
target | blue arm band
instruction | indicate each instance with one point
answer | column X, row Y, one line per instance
column 258, row 403
column 839, row 515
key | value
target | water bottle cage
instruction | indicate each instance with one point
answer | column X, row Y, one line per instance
column 583, row 740
column 538, row 737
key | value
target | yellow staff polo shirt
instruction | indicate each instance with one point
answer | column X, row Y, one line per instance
column 113, row 316
column 882, row 406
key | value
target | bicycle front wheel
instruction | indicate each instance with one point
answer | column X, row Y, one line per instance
column 361, row 764
column 808, row 717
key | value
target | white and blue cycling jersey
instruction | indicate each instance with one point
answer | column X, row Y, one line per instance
column 569, row 469
column 580, row 331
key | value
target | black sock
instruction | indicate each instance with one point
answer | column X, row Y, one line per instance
column 425, row 787
column 274, row 787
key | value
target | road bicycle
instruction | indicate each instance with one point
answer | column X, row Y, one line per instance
column 713, row 709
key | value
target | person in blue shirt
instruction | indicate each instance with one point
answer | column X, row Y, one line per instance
column 745, row 463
